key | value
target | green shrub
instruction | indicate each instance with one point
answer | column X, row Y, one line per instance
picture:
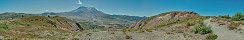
column 225, row 16
column 237, row 17
column 201, row 29
column 23, row 23
column 211, row 37
column 3, row 26
column 26, row 24
column 242, row 18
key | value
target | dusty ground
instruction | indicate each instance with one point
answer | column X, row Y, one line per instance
column 154, row 35
column 223, row 32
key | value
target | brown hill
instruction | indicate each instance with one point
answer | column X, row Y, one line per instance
column 166, row 18
column 39, row 27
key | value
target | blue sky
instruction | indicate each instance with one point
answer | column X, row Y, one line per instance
column 126, row 7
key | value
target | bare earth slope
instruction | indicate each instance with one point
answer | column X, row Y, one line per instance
column 223, row 32
column 176, row 25
column 38, row 27
column 119, row 35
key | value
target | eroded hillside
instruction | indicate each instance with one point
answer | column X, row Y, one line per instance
column 176, row 25
column 36, row 27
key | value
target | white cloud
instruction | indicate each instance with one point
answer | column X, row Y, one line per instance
column 79, row 2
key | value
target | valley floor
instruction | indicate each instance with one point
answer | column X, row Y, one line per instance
column 119, row 35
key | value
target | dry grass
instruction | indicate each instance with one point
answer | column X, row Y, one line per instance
column 34, row 27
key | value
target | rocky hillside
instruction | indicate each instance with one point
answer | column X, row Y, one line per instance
column 175, row 24
column 95, row 18
column 35, row 27
column 168, row 18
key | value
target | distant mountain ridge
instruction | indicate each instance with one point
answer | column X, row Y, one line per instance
column 95, row 17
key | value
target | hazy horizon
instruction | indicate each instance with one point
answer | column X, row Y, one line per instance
column 126, row 7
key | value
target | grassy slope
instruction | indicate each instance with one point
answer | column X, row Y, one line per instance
column 35, row 27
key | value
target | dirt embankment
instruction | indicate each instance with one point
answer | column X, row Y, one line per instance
column 223, row 32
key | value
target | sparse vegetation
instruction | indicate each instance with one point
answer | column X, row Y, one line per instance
column 225, row 16
column 3, row 26
column 149, row 30
column 195, row 21
column 237, row 17
column 233, row 26
column 173, row 26
column 128, row 37
column 211, row 37
column 26, row 24
column 22, row 23
column 202, row 29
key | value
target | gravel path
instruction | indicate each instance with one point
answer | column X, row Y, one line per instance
column 223, row 32
column 155, row 35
